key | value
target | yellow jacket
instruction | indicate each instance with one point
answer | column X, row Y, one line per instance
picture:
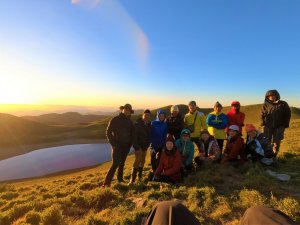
column 200, row 122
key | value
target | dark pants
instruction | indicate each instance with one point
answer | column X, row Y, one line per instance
column 119, row 155
column 275, row 135
column 155, row 158
column 175, row 213
column 221, row 144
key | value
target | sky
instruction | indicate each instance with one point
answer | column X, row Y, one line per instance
column 148, row 53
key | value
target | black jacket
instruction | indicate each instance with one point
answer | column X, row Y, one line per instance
column 175, row 125
column 275, row 114
column 265, row 144
column 141, row 137
column 119, row 131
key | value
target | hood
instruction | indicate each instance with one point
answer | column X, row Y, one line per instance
column 272, row 92
column 160, row 111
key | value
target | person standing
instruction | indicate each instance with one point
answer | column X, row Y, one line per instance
column 235, row 116
column 141, row 142
column 217, row 122
column 275, row 118
column 159, row 130
column 119, row 133
column 195, row 121
column 175, row 122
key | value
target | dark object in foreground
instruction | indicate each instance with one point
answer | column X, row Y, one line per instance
column 175, row 213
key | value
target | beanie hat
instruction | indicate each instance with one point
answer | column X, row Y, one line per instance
column 234, row 127
column 250, row 127
column 170, row 138
column 147, row 111
column 192, row 103
column 218, row 104
column 174, row 108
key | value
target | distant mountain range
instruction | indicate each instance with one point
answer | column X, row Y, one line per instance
column 69, row 118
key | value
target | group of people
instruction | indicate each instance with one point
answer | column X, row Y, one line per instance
column 172, row 139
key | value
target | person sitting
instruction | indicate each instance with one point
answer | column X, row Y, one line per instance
column 258, row 146
column 209, row 149
column 186, row 148
column 235, row 147
column 169, row 167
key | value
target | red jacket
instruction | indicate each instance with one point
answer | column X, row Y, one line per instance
column 235, row 119
column 170, row 165
column 235, row 148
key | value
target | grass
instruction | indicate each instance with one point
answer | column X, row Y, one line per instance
column 216, row 194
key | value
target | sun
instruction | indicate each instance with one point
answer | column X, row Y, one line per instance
column 15, row 94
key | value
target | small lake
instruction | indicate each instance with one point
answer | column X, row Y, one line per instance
column 51, row 160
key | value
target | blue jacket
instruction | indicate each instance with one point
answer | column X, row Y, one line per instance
column 185, row 148
column 159, row 132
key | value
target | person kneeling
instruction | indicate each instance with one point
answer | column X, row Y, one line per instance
column 170, row 163
column 234, row 153
column 209, row 150
column 186, row 148
column 258, row 147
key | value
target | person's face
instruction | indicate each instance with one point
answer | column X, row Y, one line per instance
column 272, row 98
column 192, row 108
column 232, row 133
column 146, row 117
column 169, row 145
column 127, row 112
column 185, row 137
column 174, row 113
column 161, row 117
column 252, row 134
column 236, row 107
column 204, row 136
column 217, row 108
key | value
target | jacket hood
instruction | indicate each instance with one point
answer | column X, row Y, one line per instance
column 272, row 92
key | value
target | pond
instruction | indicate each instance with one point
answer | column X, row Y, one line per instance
column 51, row 160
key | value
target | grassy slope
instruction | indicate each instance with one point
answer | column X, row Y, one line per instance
column 216, row 194
column 19, row 135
